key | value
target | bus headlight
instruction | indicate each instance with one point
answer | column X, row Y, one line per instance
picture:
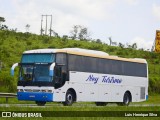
column 44, row 90
column 20, row 90
column 50, row 91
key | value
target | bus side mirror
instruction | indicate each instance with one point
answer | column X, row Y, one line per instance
column 13, row 67
column 51, row 70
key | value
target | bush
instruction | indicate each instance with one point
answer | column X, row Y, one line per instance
column 8, row 82
column 154, row 84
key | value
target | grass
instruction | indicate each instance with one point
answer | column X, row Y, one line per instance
column 81, row 108
column 153, row 99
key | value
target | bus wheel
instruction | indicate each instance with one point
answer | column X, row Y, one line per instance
column 101, row 103
column 40, row 103
column 126, row 100
column 69, row 99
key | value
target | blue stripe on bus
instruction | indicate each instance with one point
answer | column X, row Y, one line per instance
column 35, row 96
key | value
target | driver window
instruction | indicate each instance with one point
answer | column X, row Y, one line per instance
column 26, row 73
column 61, row 58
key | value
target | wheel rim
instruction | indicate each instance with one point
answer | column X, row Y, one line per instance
column 126, row 100
column 69, row 98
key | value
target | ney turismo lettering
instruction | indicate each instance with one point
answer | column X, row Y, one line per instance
column 105, row 79
column 93, row 79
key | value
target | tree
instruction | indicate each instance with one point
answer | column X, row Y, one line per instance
column 134, row 45
column 27, row 28
column 56, row 34
column 83, row 34
column 65, row 37
column 74, row 32
column 128, row 46
column 80, row 32
column 2, row 27
column 121, row 45
column 110, row 40
column 2, row 19
column 99, row 41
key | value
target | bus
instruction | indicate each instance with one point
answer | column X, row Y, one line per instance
column 71, row 75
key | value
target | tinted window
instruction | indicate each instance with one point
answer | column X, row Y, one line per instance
column 61, row 58
column 106, row 66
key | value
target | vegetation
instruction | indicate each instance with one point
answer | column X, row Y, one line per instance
column 153, row 99
column 13, row 44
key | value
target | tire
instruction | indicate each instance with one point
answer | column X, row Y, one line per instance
column 40, row 103
column 101, row 103
column 69, row 99
column 126, row 100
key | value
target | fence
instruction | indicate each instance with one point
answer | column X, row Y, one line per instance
column 8, row 95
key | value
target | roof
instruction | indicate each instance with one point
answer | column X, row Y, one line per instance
column 86, row 52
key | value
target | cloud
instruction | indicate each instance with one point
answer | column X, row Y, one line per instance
column 66, row 13
column 156, row 11
column 142, row 43
column 132, row 2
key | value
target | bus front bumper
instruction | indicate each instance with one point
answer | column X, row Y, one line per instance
column 35, row 96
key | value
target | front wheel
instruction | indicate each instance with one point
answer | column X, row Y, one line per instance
column 40, row 103
column 69, row 99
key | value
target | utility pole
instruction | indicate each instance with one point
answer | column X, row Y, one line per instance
column 41, row 25
column 46, row 26
column 46, row 22
column 50, row 31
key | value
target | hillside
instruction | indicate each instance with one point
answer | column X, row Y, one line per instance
column 13, row 44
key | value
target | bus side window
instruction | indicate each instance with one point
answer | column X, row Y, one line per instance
column 61, row 58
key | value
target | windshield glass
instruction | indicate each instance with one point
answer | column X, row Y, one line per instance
column 38, row 58
column 26, row 72
column 41, row 73
column 35, row 73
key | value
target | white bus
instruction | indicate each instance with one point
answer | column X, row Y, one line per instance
column 78, row 75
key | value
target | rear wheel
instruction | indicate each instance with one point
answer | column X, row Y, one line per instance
column 126, row 100
column 40, row 103
column 69, row 99
column 101, row 103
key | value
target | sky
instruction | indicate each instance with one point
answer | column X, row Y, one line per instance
column 125, row 21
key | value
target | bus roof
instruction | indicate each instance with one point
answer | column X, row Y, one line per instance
column 86, row 52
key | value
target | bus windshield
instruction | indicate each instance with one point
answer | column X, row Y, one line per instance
column 38, row 58
column 35, row 67
column 35, row 73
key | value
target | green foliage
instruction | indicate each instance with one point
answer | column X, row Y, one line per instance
column 8, row 82
column 13, row 44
